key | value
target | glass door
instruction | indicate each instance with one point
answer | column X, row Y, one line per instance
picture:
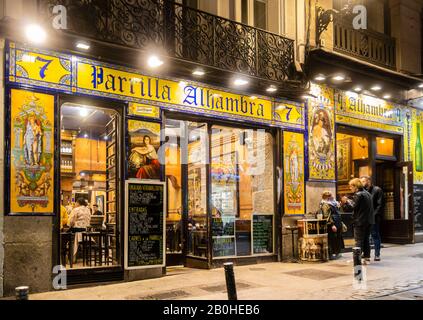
column 89, row 186
column 398, row 220
column 186, row 175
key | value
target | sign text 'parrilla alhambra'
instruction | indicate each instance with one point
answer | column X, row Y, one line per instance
column 122, row 83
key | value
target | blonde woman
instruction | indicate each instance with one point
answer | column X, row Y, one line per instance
column 362, row 207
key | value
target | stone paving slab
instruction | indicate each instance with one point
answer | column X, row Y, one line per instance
column 398, row 276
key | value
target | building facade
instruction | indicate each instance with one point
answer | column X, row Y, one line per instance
column 242, row 111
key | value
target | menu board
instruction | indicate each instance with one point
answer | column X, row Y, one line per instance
column 144, row 227
column 418, row 207
column 224, row 226
column 223, row 246
column 262, row 234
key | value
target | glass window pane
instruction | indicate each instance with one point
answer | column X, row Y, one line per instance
column 260, row 14
column 174, row 187
column 242, row 192
column 385, row 147
column 197, row 189
column 89, row 173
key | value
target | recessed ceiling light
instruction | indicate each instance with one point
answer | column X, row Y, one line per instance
column 240, row 82
column 272, row 89
column 28, row 58
column 83, row 112
column 83, row 45
column 198, row 72
column 376, row 88
column 339, row 78
column 358, row 89
column 154, row 62
column 35, row 33
column 320, row 77
column 387, row 96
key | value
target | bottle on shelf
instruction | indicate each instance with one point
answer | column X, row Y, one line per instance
column 418, row 151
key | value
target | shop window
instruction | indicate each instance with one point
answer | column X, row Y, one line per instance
column 241, row 192
column 385, row 147
column 88, row 182
column 352, row 154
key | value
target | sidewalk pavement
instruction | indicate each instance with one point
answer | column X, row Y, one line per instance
column 398, row 276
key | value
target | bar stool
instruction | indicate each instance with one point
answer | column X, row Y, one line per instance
column 292, row 229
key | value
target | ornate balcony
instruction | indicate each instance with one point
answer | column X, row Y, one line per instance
column 374, row 47
column 184, row 33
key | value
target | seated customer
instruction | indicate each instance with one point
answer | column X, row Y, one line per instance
column 80, row 216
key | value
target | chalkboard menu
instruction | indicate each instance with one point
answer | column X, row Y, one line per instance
column 144, row 239
column 262, row 234
column 224, row 226
column 418, row 207
column 223, row 246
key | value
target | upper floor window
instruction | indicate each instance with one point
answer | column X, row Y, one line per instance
column 254, row 12
column 378, row 13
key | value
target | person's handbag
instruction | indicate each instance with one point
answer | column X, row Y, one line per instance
column 344, row 228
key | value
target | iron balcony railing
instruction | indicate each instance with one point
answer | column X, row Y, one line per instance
column 374, row 47
column 184, row 33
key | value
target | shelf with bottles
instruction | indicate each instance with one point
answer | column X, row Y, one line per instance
column 66, row 166
column 66, row 148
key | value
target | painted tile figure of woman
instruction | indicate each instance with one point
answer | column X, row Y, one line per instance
column 150, row 169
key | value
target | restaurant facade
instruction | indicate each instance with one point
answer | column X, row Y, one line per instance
column 233, row 166
column 229, row 169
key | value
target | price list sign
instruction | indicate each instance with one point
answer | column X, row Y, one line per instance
column 262, row 234
column 144, row 228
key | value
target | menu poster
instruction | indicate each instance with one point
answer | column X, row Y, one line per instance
column 145, row 227
column 223, row 226
column 262, row 234
column 418, row 207
column 224, row 246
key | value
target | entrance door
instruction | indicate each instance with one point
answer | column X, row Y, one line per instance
column 186, row 176
column 396, row 180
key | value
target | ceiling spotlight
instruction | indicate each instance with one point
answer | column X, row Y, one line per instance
column 83, row 112
column 272, row 89
column 28, row 58
column 358, row 89
column 339, row 78
column 198, row 72
column 35, row 33
column 320, row 77
column 154, row 62
column 240, row 82
column 376, row 88
column 387, row 96
column 83, row 45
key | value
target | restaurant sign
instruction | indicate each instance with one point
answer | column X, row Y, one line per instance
column 79, row 75
column 367, row 112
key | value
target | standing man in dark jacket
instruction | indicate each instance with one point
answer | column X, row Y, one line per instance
column 377, row 198
column 363, row 217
